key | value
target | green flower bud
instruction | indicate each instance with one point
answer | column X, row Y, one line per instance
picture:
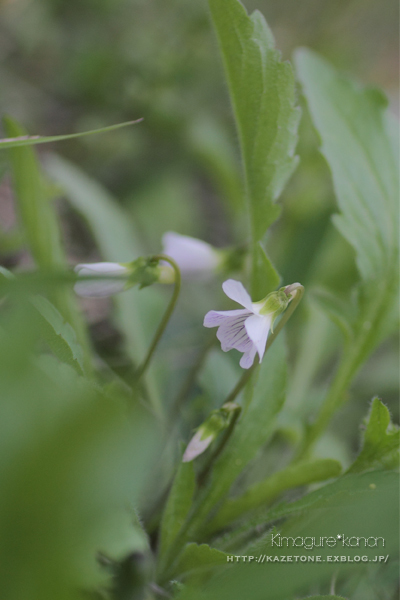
column 207, row 432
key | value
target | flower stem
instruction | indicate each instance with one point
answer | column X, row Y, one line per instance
column 167, row 315
column 241, row 383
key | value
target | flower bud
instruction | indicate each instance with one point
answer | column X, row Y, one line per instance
column 291, row 290
column 115, row 278
column 195, row 258
column 112, row 278
column 207, row 432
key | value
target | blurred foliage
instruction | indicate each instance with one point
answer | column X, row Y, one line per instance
column 92, row 497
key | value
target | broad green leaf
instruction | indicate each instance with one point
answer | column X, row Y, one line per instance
column 349, row 507
column 72, row 462
column 41, row 228
column 178, row 505
column 252, row 431
column 267, row 279
column 29, row 140
column 37, row 215
column 341, row 490
column 59, row 334
column 381, row 441
column 196, row 558
column 262, row 92
column 116, row 239
column 358, row 142
column 266, row 491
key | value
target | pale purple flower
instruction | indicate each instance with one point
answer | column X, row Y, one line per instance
column 194, row 257
column 112, row 284
column 244, row 329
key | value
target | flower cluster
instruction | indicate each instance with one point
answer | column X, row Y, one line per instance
column 245, row 329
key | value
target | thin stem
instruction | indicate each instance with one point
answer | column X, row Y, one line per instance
column 333, row 583
column 332, row 403
column 167, row 315
column 241, row 383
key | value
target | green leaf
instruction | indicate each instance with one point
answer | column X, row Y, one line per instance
column 381, row 441
column 266, row 491
column 266, row 279
column 72, row 463
column 178, row 505
column 59, row 335
column 358, row 144
column 349, row 506
column 36, row 212
column 41, row 228
column 197, row 558
column 29, row 140
column 262, row 92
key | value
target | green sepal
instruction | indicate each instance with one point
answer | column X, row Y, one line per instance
column 218, row 420
column 145, row 271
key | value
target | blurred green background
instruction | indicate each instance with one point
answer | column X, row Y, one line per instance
column 84, row 64
column 76, row 65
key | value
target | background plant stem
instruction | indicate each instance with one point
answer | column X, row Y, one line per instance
column 167, row 315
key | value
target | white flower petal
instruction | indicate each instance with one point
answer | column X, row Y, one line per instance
column 100, row 288
column 248, row 358
column 193, row 256
column 101, row 268
column 232, row 334
column 235, row 291
column 258, row 328
column 196, row 446
column 214, row 318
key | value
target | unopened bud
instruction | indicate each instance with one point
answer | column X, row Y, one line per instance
column 207, row 432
